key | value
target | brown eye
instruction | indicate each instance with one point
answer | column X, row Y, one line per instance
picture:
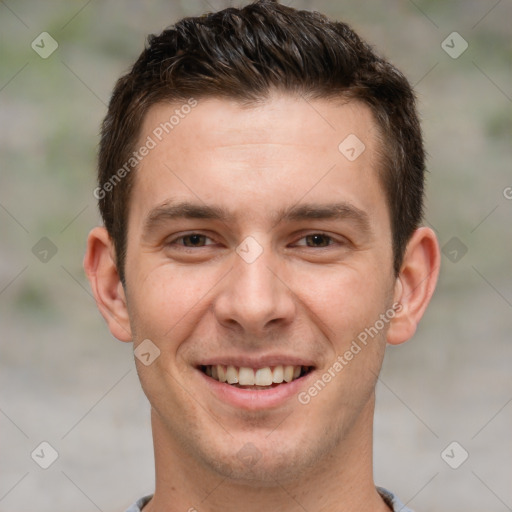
column 195, row 240
column 318, row 240
column 192, row 240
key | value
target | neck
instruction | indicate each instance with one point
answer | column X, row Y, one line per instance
column 341, row 481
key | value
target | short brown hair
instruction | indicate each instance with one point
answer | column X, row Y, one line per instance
column 244, row 54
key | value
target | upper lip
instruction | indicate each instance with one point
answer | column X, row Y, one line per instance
column 256, row 362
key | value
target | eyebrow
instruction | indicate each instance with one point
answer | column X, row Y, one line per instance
column 169, row 211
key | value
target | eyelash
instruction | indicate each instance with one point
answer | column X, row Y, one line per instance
column 331, row 240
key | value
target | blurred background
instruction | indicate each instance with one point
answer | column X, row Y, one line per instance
column 444, row 415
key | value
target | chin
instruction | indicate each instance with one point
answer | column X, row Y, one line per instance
column 263, row 462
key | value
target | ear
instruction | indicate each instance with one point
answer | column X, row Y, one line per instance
column 415, row 284
column 101, row 270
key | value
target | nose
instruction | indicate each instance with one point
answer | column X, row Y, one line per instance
column 254, row 297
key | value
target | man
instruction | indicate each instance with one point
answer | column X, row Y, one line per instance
column 261, row 184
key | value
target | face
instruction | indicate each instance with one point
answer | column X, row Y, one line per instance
column 257, row 252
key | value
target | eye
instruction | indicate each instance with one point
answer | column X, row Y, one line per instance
column 191, row 240
column 317, row 240
column 198, row 240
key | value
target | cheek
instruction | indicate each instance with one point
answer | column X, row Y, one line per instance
column 165, row 300
column 346, row 299
column 349, row 307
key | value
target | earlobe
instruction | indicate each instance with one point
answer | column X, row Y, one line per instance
column 415, row 284
column 101, row 270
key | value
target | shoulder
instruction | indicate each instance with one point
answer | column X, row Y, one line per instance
column 392, row 500
column 139, row 504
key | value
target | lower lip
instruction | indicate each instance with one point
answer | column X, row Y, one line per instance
column 252, row 400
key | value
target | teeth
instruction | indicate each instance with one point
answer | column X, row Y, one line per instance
column 244, row 376
column 221, row 371
column 278, row 375
column 263, row 377
column 231, row 375
column 288, row 373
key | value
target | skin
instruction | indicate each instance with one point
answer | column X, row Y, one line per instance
column 303, row 296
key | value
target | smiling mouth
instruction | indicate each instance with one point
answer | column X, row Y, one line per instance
column 255, row 378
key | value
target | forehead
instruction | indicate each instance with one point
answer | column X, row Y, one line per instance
column 283, row 149
column 281, row 119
